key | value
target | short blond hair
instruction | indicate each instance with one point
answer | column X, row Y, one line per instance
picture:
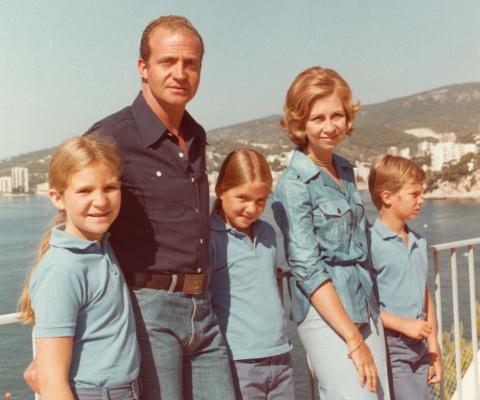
column 310, row 85
column 390, row 173
column 172, row 23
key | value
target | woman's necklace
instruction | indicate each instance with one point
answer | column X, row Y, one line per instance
column 318, row 161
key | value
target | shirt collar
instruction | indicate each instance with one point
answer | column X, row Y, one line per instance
column 151, row 128
column 386, row 233
column 383, row 230
column 307, row 169
column 60, row 238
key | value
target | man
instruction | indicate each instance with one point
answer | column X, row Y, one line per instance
column 161, row 234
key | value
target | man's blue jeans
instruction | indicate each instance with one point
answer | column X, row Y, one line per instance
column 183, row 353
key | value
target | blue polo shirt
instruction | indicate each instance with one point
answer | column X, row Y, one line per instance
column 401, row 271
column 244, row 290
column 77, row 290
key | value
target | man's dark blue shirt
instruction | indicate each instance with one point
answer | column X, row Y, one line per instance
column 163, row 223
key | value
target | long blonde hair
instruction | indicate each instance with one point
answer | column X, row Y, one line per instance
column 70, row 157
column 240, row 167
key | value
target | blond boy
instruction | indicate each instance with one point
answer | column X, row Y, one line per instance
column 399, row 257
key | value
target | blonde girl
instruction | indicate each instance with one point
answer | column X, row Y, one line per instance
column 75, row 294
column 243, row 284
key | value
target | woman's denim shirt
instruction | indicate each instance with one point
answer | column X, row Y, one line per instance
column 325, row 237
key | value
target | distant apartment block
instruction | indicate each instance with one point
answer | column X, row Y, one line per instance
column 5, row 184
column 393, row 151
column 444, row 152
column 20, row 179
column 424, row 148
column 405, row 152
column 449, row 137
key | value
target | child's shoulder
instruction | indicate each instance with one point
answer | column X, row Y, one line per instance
column 419, row 239
column 265, row 226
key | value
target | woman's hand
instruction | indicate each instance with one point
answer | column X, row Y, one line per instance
column 362, row 358
column 325, row 299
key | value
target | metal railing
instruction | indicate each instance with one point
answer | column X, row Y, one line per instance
column 8, row 319
column 452, row 247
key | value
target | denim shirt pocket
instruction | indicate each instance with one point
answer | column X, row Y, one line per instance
column 332, row 220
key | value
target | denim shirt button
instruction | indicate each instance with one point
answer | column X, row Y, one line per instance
column 338, row 210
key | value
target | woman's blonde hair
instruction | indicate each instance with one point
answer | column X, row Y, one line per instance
column 70, row 157
column 240, row 167
column 310, row 85
column 390, row 173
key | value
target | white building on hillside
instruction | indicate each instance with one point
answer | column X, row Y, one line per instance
column 424, row 148
column 5, row 184
column 444, row 152
column 405, row 152
column 20, row 179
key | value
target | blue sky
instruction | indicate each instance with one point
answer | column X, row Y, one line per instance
column 66, row 64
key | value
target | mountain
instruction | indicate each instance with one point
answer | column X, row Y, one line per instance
column 454, row 108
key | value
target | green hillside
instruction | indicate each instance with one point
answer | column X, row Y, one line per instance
column 454, row 108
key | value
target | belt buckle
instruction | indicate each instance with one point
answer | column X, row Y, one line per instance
column 193, row 283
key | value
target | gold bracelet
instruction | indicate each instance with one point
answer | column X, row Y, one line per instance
column 349, row 354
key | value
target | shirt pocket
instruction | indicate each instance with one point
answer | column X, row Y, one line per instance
column 332, row 220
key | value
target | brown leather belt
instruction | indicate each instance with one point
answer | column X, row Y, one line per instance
column 185, row 283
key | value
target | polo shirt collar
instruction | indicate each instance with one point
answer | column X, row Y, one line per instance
column 307, row 169
column 151, row 128
column 61, row 239
column 386, row 233
column 383, row 230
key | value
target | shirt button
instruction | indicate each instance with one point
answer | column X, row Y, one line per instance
column 338, row 210
column 170, row 134
column 159, row 173
column 193, row 180
column 181, row 155
column 197, row 211
column 199, row 269
column 201, row 240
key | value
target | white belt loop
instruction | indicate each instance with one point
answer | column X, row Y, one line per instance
column 173, row 285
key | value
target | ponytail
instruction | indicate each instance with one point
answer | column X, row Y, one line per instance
column 24, row 303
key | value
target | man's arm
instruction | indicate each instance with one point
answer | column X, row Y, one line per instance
column 53, row 364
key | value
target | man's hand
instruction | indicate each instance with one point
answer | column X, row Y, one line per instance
column 31, row 378
column 416, row 328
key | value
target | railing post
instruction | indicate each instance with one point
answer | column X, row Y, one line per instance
column 473, row 319
column 456, row 323
column 438, row 305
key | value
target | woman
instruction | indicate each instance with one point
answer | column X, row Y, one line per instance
column 320, row 213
